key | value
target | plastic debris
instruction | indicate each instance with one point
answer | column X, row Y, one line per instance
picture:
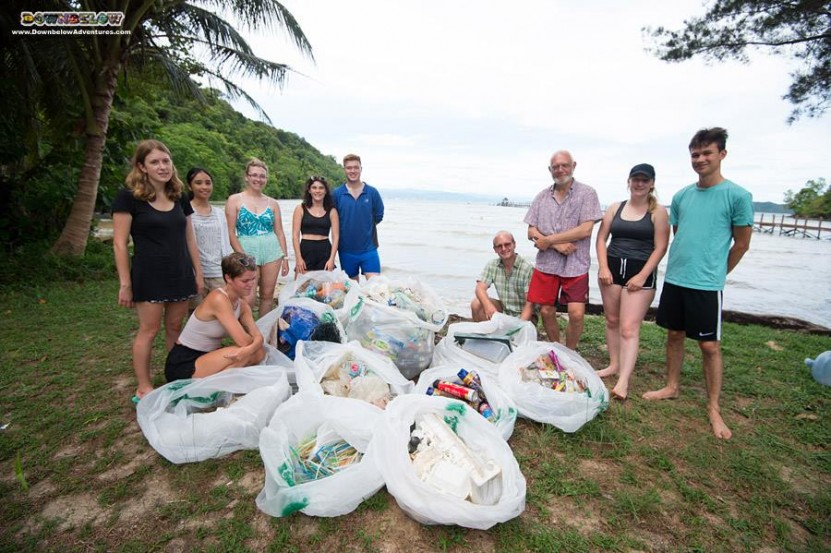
column 322, row 454
column 548, row 371
column 444, row 461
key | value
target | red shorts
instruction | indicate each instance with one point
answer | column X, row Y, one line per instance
column 544, row 289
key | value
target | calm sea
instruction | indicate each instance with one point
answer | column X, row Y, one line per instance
column 446, row 244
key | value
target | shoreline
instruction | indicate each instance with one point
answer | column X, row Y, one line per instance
column 776, row 322
column 779, row 322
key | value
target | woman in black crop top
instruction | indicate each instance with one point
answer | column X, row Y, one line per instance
column 639, row 228
column 314, row 218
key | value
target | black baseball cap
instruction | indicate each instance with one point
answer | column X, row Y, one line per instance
column 642, row 169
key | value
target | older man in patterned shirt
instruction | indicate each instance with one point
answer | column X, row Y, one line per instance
column 560, row 222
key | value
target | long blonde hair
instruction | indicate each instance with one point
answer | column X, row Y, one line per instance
column 137, row 180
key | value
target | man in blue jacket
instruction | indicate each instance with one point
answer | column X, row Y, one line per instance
column 360, row 209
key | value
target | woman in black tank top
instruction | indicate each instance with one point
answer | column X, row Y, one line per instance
column 639, row 228
column 313, row 220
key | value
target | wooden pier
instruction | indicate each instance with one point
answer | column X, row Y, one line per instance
column 788, row 225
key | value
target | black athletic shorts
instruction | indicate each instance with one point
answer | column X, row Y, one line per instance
column 697, row 312
column 181, row 363
column 315, row 253
column 623, row 269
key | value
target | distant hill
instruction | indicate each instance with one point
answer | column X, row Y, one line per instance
column 770, row 207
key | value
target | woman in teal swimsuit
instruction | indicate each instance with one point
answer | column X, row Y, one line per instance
column 256, row 228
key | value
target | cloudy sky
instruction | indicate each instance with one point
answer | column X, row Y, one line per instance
column 475, row 95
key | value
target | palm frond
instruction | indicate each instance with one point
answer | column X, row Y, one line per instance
column 262, row 14
column 234, row 92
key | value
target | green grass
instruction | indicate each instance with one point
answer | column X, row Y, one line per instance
column 642, row 476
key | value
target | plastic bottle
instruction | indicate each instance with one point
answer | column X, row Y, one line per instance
column 486, row 411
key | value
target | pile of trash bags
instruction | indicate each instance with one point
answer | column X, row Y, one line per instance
column 354, row 396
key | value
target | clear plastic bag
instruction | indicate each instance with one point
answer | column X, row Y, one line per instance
column 197, row 419
column 450, row 352
column 435, row 497
column 398, row 319
column 289, row 488
column 567, row 410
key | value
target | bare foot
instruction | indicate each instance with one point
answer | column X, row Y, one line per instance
column 608, row 371
column 719, row 428
column 619, row 392
column 664, row 393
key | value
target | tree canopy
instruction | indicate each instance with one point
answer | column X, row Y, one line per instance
column 800, row 29
column 813, row 200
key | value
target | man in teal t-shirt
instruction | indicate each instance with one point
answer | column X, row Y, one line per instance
column 712, row 221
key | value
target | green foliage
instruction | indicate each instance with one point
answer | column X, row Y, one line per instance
column 214, row 136
column 799, row 29
column 208, row 133
column 31, row 265
column 813, row 200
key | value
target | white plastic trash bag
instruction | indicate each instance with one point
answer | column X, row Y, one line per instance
column 503, row 409
column 197, row 419
column 348, row 370
column 482, row 354
column 484, row 466
column 328, row 287
column 398, row 319
column 327, row 423
column 582, row 397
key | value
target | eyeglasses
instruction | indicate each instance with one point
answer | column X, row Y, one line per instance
column 316, row 178
column 258, row 175
column 248, row 262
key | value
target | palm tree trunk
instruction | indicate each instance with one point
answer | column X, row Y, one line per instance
column 73, row 238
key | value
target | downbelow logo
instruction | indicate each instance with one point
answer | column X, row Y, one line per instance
column 72, row 19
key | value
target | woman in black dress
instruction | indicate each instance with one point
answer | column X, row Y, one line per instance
column 165, row 270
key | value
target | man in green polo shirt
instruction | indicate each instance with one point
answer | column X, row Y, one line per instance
column 510, row 274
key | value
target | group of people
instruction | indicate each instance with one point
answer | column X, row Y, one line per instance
column 712, row 222
column 187, row 253
column 185, row 250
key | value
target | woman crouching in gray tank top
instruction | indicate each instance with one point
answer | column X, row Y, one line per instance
column 224, row 312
